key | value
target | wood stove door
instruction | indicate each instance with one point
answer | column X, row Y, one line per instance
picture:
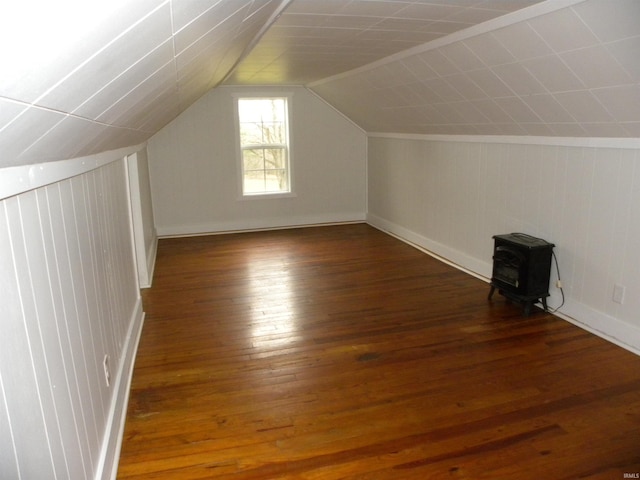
column 508, row 263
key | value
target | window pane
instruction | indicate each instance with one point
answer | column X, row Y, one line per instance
column 250, row 134
column 275, row 158
column 277, row 181
column 254, row 181
column 264, row 145
column 253, row 159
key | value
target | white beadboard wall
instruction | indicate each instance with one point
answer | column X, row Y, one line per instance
column 194, row 168
column 68, row 297
column 450, row 197
column 144, row 231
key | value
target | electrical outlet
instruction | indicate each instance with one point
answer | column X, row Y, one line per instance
column 618, row 294
column 107, row 373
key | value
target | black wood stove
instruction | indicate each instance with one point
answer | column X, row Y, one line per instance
column 521, row 269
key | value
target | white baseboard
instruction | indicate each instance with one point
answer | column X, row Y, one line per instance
column 449, row 255
column 610, row 328
column 259, row 224
column 112, row 441
column 605, row 326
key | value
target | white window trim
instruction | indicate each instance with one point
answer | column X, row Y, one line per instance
column 239, row 173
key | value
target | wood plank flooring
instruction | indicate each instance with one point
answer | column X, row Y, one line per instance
column 342, row 353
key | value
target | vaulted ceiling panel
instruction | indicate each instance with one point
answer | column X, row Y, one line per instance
column 43, row 42
column 127, row 82
column 86, row 76
column 378, row 28
column 72, row 134
column 555, row 68
column 113, row 61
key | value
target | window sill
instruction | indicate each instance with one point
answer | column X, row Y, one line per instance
column 267, row 196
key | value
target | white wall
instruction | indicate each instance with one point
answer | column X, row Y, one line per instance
column 450, row 197
column 68, row 297
column 144, row 231
column 194, row 174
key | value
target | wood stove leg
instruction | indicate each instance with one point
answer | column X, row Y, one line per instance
column 527, row 308
column 544, row 304
column 493, row 289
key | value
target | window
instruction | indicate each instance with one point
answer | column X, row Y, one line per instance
column 264, row 145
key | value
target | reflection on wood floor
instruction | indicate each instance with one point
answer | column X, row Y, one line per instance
column 342, row 353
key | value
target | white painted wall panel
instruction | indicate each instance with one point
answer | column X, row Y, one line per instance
column 194, row 171
column 68, row 296
column 451, row 197
column 8, row 459
column 144, row 231
column 20, row 386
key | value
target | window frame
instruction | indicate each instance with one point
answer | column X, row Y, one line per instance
column 287, row 96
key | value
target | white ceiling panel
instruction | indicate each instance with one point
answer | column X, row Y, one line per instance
column 9, row 110
column 518, row 79
column 553, row 73
column 93, row 75
column 465, row 86
column 205, row 26
column 490, row 83
column 627, row 53
column 118, row 114
column 522, row 41
column 188, row 11
column 563, row 30
column 25, row 130
column 547, row 108
column 518, row 110
column 623, row 102
column 583, row 104
column 554, row 69
column 50, row 39
column 462, row 57
column 112, row 61
column 379, row 28
column 490, row 50
column 596, row 67
column 611, row 21
column 103, row 99
column 494, row 113
column 63, row 138
column 543, row 74
column 115, row 66
column 439, row 62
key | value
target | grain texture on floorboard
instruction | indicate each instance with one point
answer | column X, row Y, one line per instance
column 342, row 353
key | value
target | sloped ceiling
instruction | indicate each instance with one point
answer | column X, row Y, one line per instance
column 571, row 72
column 315, row 39
column 79, row 77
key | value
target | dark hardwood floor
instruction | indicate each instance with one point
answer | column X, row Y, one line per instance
column 342, row 353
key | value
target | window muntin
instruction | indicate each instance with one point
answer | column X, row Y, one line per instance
column 264, row 145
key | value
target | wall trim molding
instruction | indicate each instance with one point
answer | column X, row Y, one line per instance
column 251, row 225
column 609, row 328
column 448, row 255
column 589, row 142
column 112, row 441
column 151, row 260
column 605, row 326
column 23, row 178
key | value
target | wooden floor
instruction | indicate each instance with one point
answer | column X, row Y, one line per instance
column 343, row 353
